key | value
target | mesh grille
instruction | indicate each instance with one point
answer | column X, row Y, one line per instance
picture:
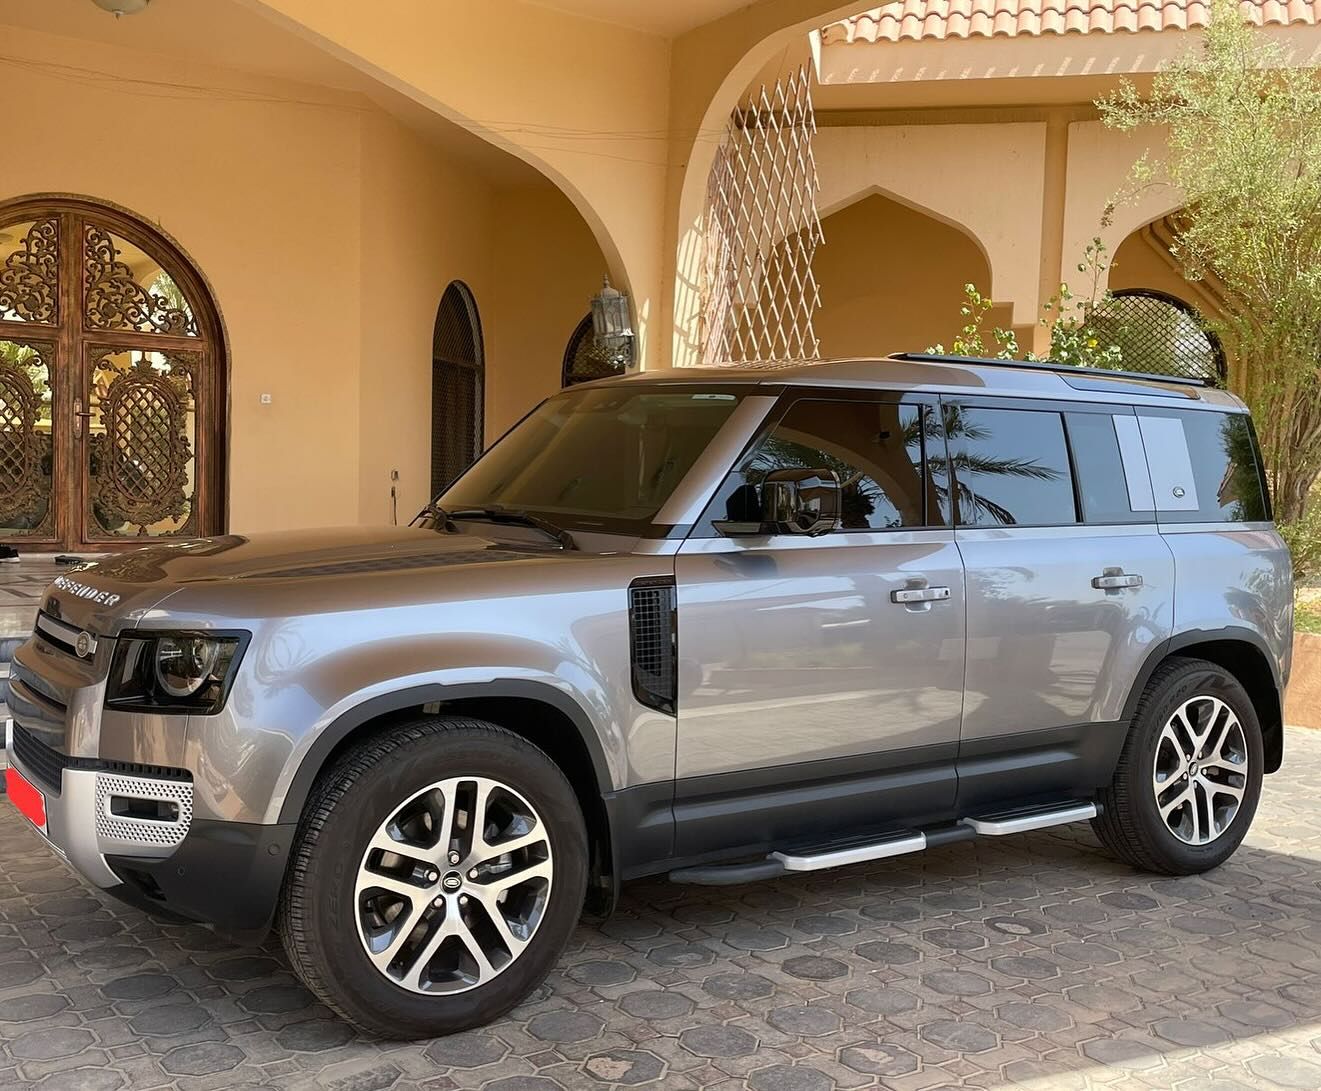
column 652, row 642
column 40, row 760
column 1159, row 334
column 457, row 365
column 49, row 764
column 144, row 831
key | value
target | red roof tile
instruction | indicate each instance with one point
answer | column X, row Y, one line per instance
column 940, row 19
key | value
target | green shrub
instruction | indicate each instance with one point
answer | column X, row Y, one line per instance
column 1303, row 537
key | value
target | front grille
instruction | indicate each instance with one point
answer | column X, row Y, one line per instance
column 652, row 642
column 40, row 760
column 49, row 634
column 48, row 764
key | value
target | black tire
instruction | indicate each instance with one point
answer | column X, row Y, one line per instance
column 318, row 914
column 1129, row 824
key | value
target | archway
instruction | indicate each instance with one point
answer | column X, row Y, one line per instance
column 892, row 278
column 458, row 367
column 112, row 381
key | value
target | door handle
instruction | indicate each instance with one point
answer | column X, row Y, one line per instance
column 79, row 416
column 919, row 594
column 1115, row 579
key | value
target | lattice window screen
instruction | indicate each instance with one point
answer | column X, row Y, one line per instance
column 1159, row 333
column 762, row 230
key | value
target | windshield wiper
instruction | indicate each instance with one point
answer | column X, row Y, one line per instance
column 434, row 511
column 522, row 518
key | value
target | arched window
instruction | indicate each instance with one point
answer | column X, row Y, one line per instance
column 582, row 360
column 112, row 381
column 1160, row 333
column 457, row 374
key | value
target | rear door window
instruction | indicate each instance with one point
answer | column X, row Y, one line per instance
column 1010, row 467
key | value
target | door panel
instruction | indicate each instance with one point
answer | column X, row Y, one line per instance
column 135, row 432
column 29, row 480
column 817, row 692
column 1060, row 618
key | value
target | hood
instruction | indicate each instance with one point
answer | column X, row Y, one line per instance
column 107, row 594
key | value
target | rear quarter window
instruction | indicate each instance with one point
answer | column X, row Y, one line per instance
column 1205, row 466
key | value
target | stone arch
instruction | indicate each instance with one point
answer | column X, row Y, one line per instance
column 723, row 57
column 873, row 305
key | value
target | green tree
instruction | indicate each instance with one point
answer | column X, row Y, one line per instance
column 1244, row 148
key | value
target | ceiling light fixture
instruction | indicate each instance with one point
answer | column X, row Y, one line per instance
column 122, row 7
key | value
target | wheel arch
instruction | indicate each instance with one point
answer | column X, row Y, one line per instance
column 547, row 717
column 1245, row 654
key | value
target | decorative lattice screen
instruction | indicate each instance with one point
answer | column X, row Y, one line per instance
column 1159, row 333
column 762, row 231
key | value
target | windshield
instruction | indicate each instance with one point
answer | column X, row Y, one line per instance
column 605, row 458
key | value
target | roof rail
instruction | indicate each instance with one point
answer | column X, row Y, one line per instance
column 1047, row 365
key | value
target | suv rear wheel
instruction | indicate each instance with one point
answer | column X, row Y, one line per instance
column 439, row 871
column 1189, row 778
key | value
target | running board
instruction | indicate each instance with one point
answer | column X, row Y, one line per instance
column 855, row 854
column 1029, row 818
column 807, row 858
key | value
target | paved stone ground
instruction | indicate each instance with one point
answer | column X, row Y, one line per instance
column 1032, row 962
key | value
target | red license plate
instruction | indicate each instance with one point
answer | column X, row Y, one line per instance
column 30, row 802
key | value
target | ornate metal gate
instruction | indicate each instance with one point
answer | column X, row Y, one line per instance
column 762, row 231
column 110, row 382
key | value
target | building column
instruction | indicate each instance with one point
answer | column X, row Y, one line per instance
column 1054, row 190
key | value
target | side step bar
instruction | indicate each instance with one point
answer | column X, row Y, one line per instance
column 1021, row 821
column 841, row 854
column 857, row 854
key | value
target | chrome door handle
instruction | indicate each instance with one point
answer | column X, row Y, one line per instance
column 1115, row 579
column 919, row 594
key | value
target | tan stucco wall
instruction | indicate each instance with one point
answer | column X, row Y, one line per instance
column 892, row 280
column 985, row 179
column 424, row 223
column 548, row 266
column 328, row 232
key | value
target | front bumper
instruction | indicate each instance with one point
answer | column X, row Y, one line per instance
column 132, row 833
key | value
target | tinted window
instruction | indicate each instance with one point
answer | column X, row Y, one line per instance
column 1011, row 467
column 1102, row 486
column 607, row 457
column 1218, row 476
column 874, row 448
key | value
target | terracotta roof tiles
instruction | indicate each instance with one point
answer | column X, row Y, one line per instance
column 916, row 20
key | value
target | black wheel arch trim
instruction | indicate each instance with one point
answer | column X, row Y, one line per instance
column 413, row 697
column 1190, row 638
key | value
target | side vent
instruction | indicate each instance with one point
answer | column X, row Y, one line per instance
column 652, row 641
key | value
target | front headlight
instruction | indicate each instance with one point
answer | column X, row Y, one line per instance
column 173, row 672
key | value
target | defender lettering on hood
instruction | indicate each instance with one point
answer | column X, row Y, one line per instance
column 82, row 591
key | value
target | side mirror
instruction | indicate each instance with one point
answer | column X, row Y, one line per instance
column 789, row 502
column 801, row 501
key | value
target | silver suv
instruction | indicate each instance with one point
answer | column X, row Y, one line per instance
column 717, row 624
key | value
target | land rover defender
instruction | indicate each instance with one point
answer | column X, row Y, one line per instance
column 722, row 624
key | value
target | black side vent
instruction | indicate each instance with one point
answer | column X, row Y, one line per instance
column 652, row 642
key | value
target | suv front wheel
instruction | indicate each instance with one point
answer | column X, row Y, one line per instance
column 1189, row 778
column 439, row 871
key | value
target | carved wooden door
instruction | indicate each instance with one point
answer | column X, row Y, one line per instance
column 111, row 383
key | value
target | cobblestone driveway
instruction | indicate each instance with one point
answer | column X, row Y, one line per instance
column 1033, row 962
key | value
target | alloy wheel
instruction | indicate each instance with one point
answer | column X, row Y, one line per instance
column 1200, row 771
column 453, row 885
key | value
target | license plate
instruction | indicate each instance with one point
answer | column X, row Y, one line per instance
column 26, row 797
